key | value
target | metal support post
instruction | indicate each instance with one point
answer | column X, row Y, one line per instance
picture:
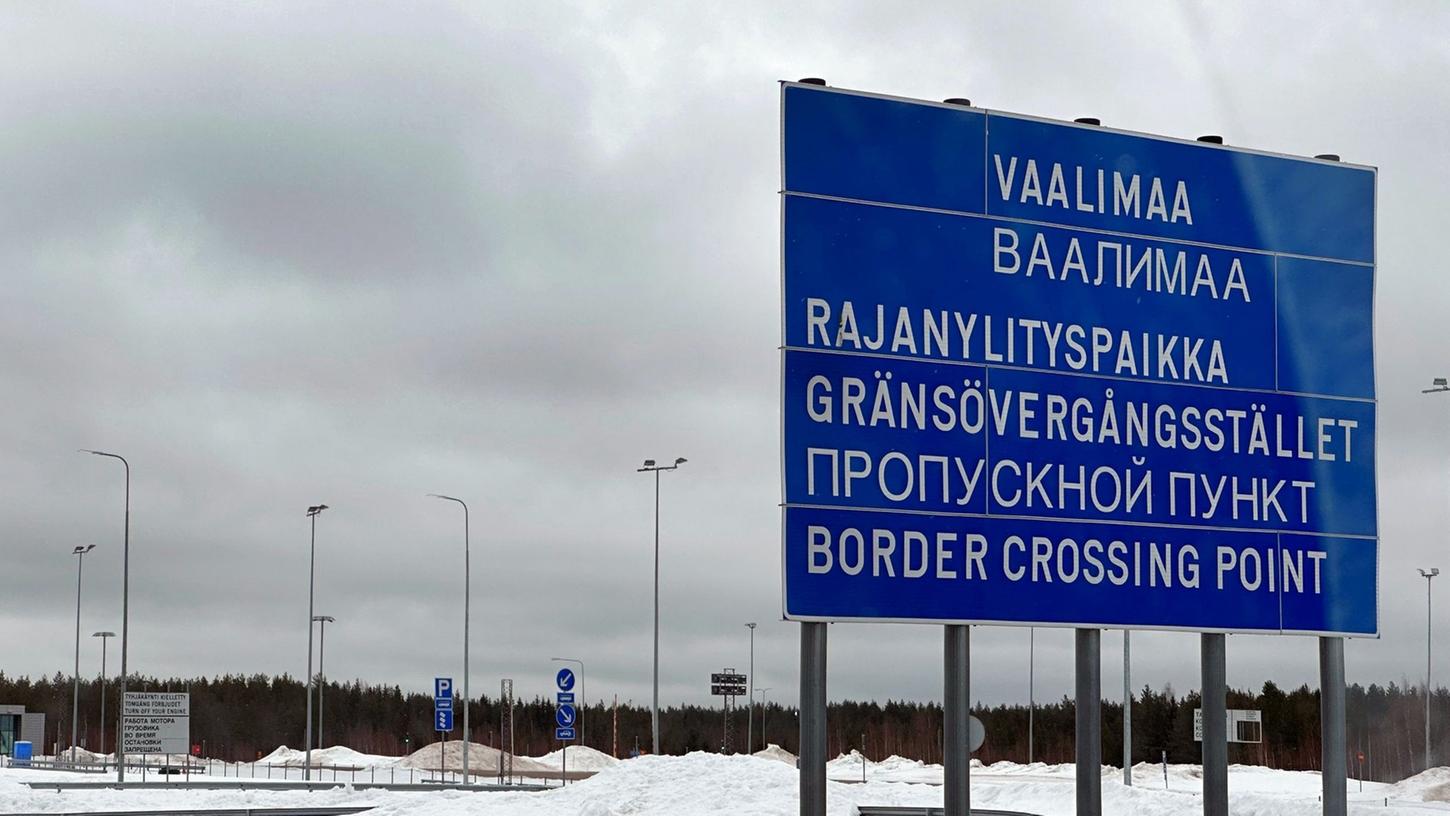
column 1331, row 724
column 813, row 719
column 1127, row 708
column 1215, row 725
column 956, row 710
column 1088, row 648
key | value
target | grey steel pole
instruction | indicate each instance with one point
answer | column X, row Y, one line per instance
column 125, row 612
column 105, row 637
column 655, row 699
column 1429, row 629
column 750, row 688
column 312, row 513
column 813, row 720
column 1127, row 708
column 650, row 465
column 321, row 674
column 467, row 570
column 1031, row 665
column 1215, row 724
column 1333, row 747
column 75, row 704
column 956, row 711
column 1089, row 731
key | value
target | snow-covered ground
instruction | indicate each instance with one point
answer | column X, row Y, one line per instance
column 708, row 783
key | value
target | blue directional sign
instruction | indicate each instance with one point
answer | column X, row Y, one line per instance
column 564, row 734
column 443, row 719
column 1048, row 373
column 565, row 679
column 564, row 715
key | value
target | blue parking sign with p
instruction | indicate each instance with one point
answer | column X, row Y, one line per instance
column 442, row 687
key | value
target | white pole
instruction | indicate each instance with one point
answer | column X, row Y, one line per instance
column 1127, row 709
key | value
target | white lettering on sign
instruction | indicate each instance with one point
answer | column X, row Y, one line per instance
column 1092, row 190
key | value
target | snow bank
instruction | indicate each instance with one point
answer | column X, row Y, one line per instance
column 581, row 758
column 481, row 759
column 338, row 756
column 775, row 752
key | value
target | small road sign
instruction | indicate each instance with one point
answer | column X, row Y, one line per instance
column 564, row 697
column 565, row 679
column 565, row 715
column 564, row 734
column 443, row 704
column 443, row 720
column 442, row 687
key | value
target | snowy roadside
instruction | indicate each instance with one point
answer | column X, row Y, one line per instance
column 701, row 783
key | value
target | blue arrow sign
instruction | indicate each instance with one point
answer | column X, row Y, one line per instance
column 443, row 719
column 565, row 679
column 565, row 716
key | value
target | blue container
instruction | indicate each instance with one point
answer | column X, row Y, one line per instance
column 22, row 753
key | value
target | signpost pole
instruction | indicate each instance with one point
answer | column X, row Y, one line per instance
column 1127, row 708
column 1088, row 650
column 956, row 705
column 813, row 719
column 1215, row 725
column 1331, row 724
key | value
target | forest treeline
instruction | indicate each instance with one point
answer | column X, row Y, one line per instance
column 243, row 718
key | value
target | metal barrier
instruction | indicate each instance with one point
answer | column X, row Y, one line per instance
column 271, row 811
column 284, row 785
column 902, row 810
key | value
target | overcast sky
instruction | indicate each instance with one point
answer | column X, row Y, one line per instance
column 282, row 254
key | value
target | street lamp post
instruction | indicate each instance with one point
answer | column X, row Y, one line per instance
column 466, row 569
column 312, row 513
column 650, row 466
column 105, row 639
column 750, row 720
column 1427, row 576
column 583, row 698
column 1438, row 385
column 764, row 735
column 125, row 606
column 75, row 703
column 323, row 620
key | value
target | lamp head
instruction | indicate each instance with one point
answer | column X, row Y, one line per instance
column 104, row 634
column 1433, row 571
column 323, row 619
column 79, row 550
column 649, row 463
column 680, row 461
column 315, row 509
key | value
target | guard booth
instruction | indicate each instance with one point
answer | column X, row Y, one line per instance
column 17, row 725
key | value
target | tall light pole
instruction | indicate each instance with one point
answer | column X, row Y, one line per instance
column 312, row 513
column 324, row 620
column 750, row 681
column 764, row 735
column 125, row 607
column 1427, row 576
column 650, row 466
column 105, row 640
column 1438, row 385
column 466, row 699
column 75, row 703
column 583, row 698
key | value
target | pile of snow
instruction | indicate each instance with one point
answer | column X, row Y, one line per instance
column 1427, row 786
column 482, row 759
column 580, row 758
column 777, row 753
column 338, row 756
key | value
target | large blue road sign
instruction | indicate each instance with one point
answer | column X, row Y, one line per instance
column 565, row 715
column 442, row 687
column 443, row 719
column 1047, row 373
column 564, row 679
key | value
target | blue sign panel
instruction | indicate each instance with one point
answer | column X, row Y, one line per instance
column 564, row 715
column 564, row 734
column 442, row 687
column 1045, row 373
column 565, row 679
column 564, row 697
column 442, row 703
column 443, row 719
